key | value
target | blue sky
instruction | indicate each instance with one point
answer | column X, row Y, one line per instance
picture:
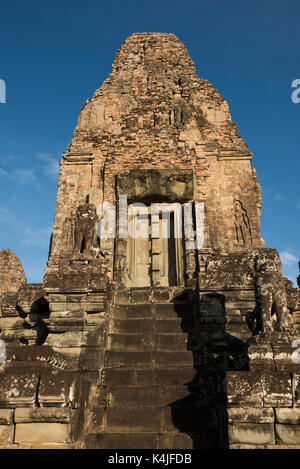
column 53, row 56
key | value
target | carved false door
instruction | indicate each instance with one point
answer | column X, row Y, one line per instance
column 166, row 249
column 139, row 247
column 154, row 249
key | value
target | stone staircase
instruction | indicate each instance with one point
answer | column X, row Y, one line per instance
column 148, row 365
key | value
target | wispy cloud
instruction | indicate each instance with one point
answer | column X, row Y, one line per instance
column 3, row 173
column 24, row 175
column 287, row 258
column 43, row 162
column 4, row 214
column 290, row 265
column 38, row 238
column 6, row 159
column 278, row 196
column 50, row 166
column 20, row 175
column 272, row 194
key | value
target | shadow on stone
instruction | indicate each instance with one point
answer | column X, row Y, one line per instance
column 38, row 312
column 202, row 414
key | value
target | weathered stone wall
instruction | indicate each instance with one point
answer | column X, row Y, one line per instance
column 12, row 276
column 46, row 378
column 263, row 403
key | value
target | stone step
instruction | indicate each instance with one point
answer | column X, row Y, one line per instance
column 132, row 311
column 147, row 376
column 174, row 325
column 175, row 441
column 145, row 441
column 145, row 396
column 149, row 295
column 131, row 342
column 172, row 342
column 115, row 358
column 121, row 358
column 185, row 418
column 172, row 310
column 151, row 310
column 132, row 419
column 166, row 358
column 128, row 441
column 132, row 326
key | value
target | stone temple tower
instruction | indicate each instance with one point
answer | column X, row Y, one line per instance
column 162, row 321
column 156, row 133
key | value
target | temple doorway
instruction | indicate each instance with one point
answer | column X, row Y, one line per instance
column 154, row 246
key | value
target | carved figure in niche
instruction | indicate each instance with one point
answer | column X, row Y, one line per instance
column 179, row 115
column 88, row 114
column 242, row 225
column 69, row 232
column 271, row 313
column 84, row 231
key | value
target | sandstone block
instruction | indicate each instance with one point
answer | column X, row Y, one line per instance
column 6, row 416
column 288, row 434
column 40, row 414
column 41, row 433
column 67, row 339
column 250, row 415
column 277, row 389
column 12, row 276
column 251, row 433
column 18, row 388
column 244, row 389
column 289, row 416
column 296, row 389
column 132, row 419
column 6, row 434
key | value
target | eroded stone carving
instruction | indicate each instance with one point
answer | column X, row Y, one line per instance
column 271, row 313
column 179, row 114
column 242, row 224
column 84, row 232
column 12, row 276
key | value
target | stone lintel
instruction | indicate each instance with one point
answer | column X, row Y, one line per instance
column 235, row 157
column 81, row 161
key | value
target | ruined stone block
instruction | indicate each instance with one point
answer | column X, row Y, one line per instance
column 30, row 433
column 288, row 416
column 251, row 433
column 261, row 357
column 12, row 276
column 40, row 414
column 277, row 389
column 18, row 388
column 6, row 417
column 250, row 415
column 288, row 434
column 56, row 388
column 296, row 389
column 6, row 434
column 244, row 389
